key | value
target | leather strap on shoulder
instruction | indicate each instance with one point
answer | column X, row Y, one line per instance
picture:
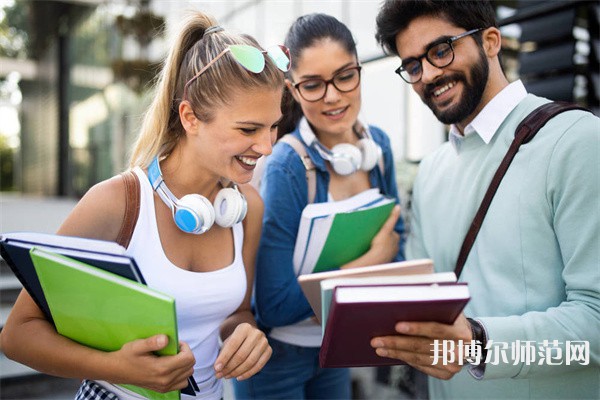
column 526, row 130
column 132, row 207
column 311, row 173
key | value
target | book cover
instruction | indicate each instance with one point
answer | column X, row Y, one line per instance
column 360, row 313
column 348, row 225
column 104, row 311
column 311, row 283
column 14, row 248
column 349, row 236
column 329, row 285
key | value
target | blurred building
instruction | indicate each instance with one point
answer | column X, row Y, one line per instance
column 74, row 76
column 88, row 62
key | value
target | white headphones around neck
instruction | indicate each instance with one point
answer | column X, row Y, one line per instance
column 346, row 158
column 194, row 213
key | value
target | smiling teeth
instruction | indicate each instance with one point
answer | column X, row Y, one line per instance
column 443, row 89
column 247, row 160
column 336, row 112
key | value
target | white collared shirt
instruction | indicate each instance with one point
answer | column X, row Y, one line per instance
column 487, row 122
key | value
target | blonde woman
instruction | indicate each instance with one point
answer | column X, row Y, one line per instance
column 215, row 113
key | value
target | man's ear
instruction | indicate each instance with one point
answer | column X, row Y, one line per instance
column 492, row 41
column 292, row 90
column 187, row 116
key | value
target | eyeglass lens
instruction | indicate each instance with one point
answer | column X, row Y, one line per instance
column 250, row 58
column 280, row 56
column 440, row 55
column 344, row 81
column 253, row 59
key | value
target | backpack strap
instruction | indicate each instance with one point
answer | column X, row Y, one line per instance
column 525, row 131
column 311, row 173
column 132, row 207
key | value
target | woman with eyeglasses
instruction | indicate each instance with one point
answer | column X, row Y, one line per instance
column 350, row 157
column 214, row 114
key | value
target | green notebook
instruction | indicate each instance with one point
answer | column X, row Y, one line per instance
column 102, row 310
column 333, row 233
column 350, row 236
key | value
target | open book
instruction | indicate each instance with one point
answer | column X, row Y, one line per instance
column 334, row 233
column 14, row 248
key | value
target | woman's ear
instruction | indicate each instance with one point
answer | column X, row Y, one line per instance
column 292, row 90
column 492, row 41
column 188, row 118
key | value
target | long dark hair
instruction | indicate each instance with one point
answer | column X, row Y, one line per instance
column 305, row 32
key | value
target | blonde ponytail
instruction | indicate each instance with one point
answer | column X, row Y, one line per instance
column 161, row 127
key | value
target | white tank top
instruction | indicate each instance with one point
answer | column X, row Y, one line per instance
column 203, row 299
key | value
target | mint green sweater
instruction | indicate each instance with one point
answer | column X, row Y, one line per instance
column 534, row 270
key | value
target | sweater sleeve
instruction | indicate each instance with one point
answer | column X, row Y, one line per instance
column 279, row 298
column 572, row 193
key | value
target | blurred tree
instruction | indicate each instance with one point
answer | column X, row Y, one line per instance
column 14, row 38
column 6, row 166
column 144, row 26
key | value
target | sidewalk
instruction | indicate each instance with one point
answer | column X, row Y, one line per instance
column 38, row 214
column 29, row 213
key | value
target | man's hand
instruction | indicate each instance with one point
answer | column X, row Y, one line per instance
column 414, row 345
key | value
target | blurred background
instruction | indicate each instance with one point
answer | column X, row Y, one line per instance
column 74, row 83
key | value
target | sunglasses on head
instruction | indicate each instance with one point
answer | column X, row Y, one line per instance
column 251, row 58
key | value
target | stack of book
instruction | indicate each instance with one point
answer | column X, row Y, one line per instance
column 358, row 304
column 93, row 293
column 334, row 233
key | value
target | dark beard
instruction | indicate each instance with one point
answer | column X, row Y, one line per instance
column 472, row 93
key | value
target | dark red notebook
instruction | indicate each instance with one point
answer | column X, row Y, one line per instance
column 360, row 313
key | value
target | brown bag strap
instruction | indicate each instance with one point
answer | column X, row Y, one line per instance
column 132, row 207
column 311, row 173
column 526, row 130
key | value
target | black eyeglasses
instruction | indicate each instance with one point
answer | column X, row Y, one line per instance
column 439, row 54
column 344, row 81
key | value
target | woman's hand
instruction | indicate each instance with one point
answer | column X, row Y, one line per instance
column 136, row 364
column 384, row 246
column 387, row 241
column 243, row 354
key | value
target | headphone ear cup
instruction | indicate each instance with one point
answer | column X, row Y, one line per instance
column 194, row 214
column 371, row 153
column 345, row 158
column 230, row 207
